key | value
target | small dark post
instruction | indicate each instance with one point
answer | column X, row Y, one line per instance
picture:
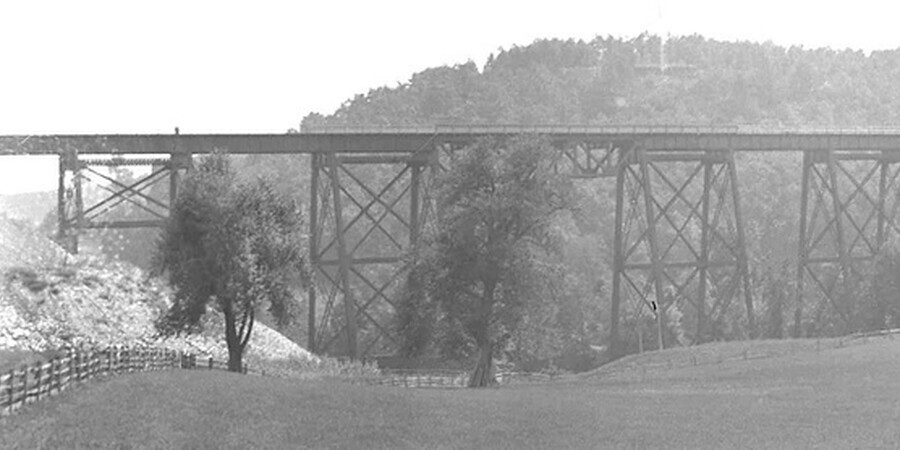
column 11, row 389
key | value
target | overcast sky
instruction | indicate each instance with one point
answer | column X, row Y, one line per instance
column 259, row 66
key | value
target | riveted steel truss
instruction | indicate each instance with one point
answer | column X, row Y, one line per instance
column 588, row 158
column 678, row 244
column 366, row 213
column 848, row 211
column 78, row 212
column 678, row 236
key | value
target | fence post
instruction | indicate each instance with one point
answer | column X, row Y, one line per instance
column 10, row 389
column 24, row 384
column 51, row 377
column 73, row 367
column 55, row 364
column 210, row 363
column 37, row 378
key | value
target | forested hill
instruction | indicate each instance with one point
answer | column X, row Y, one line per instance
column 611, row 80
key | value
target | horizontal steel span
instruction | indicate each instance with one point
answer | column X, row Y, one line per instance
column 414, row 139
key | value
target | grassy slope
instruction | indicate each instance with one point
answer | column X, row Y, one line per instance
column 845, row 397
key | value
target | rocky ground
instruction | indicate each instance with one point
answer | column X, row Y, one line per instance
column 50, row 300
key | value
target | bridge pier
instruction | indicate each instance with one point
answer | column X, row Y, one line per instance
column 365, row 215
column 848, row 212
column 678, row 244
column 76, row 213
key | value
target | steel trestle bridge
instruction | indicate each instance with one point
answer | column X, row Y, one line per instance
column 679, row 234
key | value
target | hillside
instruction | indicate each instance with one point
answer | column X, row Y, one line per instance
column 49, row 300
column 20, row 245
column 32, row 207
column 616, row 80
column 838, row 398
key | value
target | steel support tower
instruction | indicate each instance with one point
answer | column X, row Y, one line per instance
column 848, row 212
column 679, row 243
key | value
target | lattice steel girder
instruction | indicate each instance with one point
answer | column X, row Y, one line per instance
column 75, row 213
column 365, row 215
column 848, row 210
column 678, row 241
column 412, row 139
column 588, row 159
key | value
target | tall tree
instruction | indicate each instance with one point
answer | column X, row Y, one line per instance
column 493, row 256
column 234, row 247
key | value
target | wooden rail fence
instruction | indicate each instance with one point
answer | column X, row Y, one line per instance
column 42, row 379
column 447, row 378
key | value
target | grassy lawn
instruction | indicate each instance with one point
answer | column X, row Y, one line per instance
column 847, row 397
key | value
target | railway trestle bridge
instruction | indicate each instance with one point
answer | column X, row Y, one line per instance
column 678, row 237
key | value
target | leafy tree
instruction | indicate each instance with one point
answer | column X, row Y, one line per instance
column 232, row 247
column 492, row 259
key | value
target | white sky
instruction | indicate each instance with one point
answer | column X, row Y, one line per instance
column 223, row 66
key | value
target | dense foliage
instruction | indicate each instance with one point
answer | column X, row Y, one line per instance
column 235, row 247
column 613, row 80
column 490, row 263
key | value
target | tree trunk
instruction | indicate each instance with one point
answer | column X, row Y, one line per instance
column 232, row 340
column 483, row 376
column 235, row 359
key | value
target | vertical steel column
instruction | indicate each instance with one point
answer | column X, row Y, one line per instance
column 704, row 249
column 838, row 222
column 79, row 201
column 743, row 261
column 414, row 204
column 68, row 227
column 173, row 176
column 343, row 258
column 656, row 268
column 616, row 347
column 315, row 160
column 803, row 254
column 884, row 166
column 62, row 228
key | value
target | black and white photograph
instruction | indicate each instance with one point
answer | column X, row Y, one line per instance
column 642, row 224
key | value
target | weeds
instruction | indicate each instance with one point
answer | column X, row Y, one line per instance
column 28, row 277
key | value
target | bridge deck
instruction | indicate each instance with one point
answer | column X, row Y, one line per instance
column 412, row 139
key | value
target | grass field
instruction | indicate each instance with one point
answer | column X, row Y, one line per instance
column 846, row 397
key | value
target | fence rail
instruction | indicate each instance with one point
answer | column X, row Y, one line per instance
column 42, row 379
column 413, row 378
